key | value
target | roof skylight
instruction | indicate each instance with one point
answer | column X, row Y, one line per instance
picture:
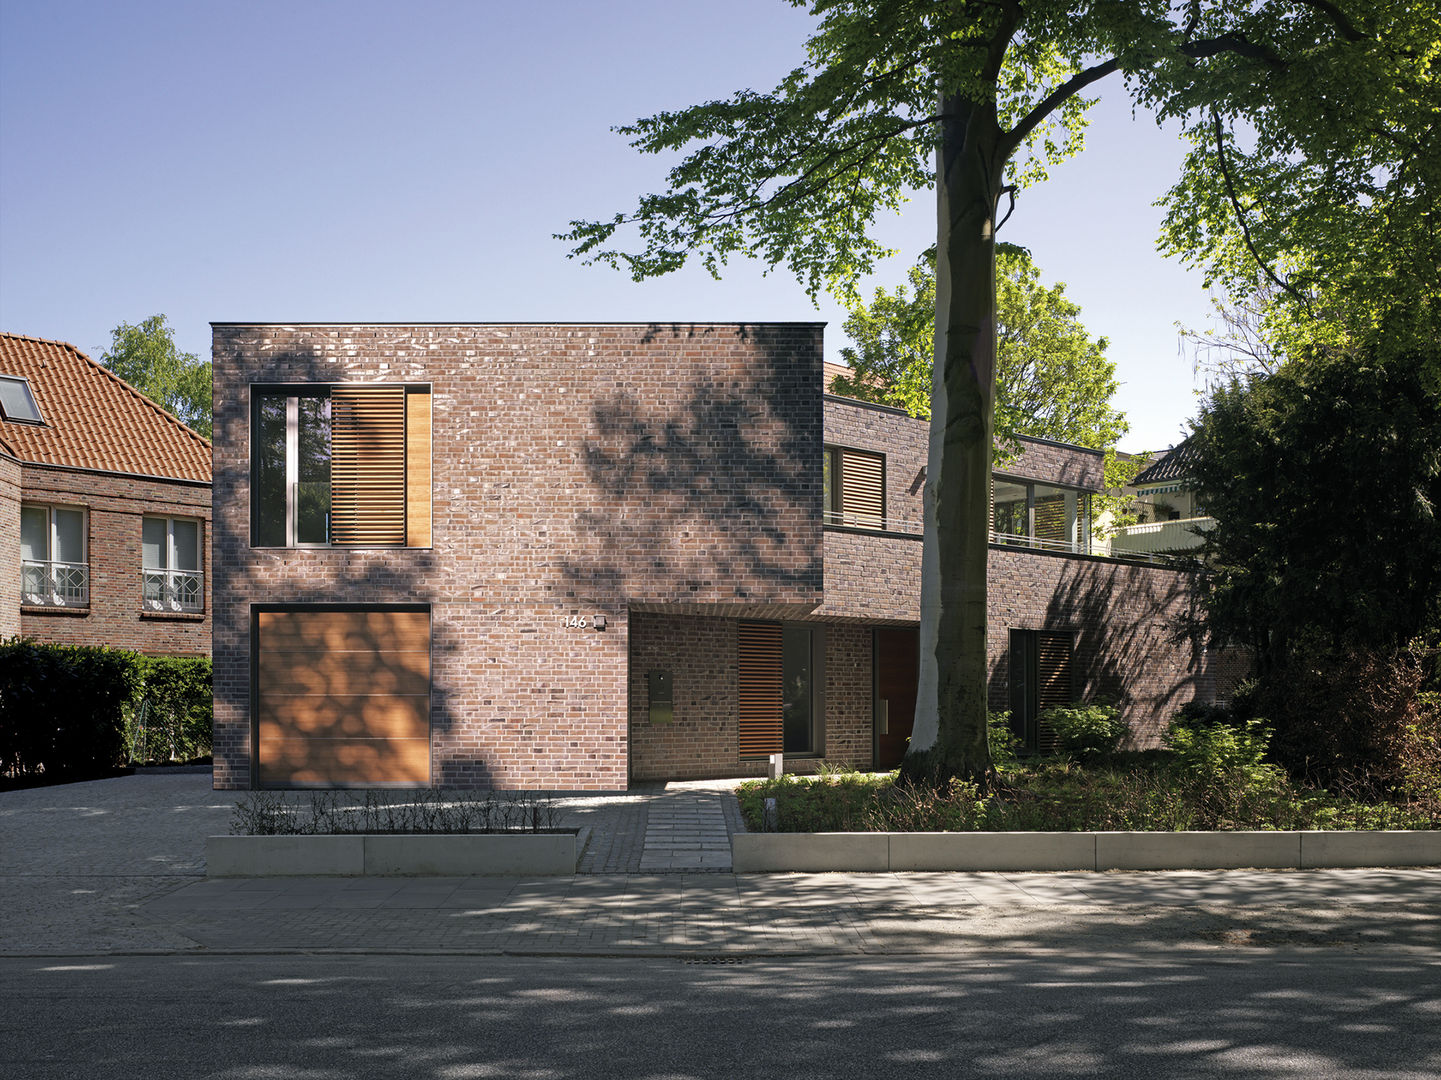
column 17, row 402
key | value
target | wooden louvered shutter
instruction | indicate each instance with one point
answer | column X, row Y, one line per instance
column 1053, row 680
column 367, row 464
column 760, row 689
column 863, row 490
column 417, row 468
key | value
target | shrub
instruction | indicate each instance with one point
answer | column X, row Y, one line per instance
column 61, row 709
column 171, row 716
column 1085, row 730
column 1003, row 741
column 1354, row 719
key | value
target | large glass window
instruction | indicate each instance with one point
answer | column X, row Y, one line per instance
column 344, row 465
column 53, row 568
column 1040, row 515
column 171, row 566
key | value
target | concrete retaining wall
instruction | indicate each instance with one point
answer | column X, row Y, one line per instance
column 753, row 852
column 394, row 855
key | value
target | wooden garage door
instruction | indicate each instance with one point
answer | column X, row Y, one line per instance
column 343, row 697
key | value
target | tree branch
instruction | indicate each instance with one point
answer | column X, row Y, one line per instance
column 1241, row 214
column 1337, row 16
column 1072, row 86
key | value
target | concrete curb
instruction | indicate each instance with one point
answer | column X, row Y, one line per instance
column 401, row 855
column 880, row 852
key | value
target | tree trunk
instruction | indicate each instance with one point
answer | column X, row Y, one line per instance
column 949, row 736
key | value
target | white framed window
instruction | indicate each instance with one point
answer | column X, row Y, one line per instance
column 54, row 571
column 171, row 564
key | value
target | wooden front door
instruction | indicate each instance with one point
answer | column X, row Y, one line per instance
column 897, row 652
column 343, row 697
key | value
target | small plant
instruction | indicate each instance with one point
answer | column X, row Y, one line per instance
column 424, row 810
column 1003, row 741
column 1085, row 730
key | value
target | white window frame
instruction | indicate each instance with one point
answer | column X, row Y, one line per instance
column 165, row 588
column 51, row 582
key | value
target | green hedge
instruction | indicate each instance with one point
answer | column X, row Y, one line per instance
column 61, row 709
column 170, row 717
column 68, row 712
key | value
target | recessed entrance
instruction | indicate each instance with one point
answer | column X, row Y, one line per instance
column 897, row 655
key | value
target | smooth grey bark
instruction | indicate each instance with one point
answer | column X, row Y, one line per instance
column 949, row 735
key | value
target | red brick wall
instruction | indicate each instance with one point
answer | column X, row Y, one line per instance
column 703, row 738
column 1124, row 617
column 577, row 469
column 115, row 505
column 9, row 547
column 1057, row 463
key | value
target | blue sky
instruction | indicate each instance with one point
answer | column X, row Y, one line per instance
column 336, row 161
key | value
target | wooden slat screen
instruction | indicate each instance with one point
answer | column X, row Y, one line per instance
column 1053, row 680
column 367, row 464
column 343, row 697
column 760, row 689
column 863, row 491
column 417, row 468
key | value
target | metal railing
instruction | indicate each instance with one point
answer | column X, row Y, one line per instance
column 173, row 590
column 1073, row 547
column 54, row 584
column 871, row 521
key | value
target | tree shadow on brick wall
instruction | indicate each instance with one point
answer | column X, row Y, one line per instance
column 1138, row 644
column 710, row 493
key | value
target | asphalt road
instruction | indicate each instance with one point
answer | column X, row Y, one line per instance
column 1313, row 1013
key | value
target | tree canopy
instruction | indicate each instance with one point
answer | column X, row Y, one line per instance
column 1053, row 380
column 147, row 358
column 1298, row 110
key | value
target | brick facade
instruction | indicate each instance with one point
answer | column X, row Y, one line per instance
column 666, row 477
column 115, row 505
column 578, row 470
column 10, row 478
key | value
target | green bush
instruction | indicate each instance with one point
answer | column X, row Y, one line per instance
column 61, row 709
column 1085, row 730
column 1003, row 741
column 171, row 717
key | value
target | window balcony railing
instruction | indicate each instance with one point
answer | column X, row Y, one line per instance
column 1042, row 543
column 872, row 522
column 54, row 584
column 173, row 590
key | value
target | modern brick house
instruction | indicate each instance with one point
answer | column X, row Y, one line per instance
column 104, row 508
column 578, row 556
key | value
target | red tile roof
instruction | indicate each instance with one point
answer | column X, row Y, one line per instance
column 93, row 419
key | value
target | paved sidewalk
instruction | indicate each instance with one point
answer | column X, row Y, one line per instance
column 117, row 866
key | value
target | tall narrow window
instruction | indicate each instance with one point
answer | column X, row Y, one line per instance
column 1041, row 677
column 53, row 568
column 344, row 465
column 797, row 691
column 171, row 567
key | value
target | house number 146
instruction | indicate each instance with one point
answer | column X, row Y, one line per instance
column 577, row 622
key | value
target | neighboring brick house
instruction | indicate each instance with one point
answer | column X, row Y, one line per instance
column 629, row 552
column 104, row 506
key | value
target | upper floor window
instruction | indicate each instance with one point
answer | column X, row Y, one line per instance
column 342, row 465
column 1039, row 515
column 171, row 564
column 17, row 402
column 53, row 567
column 855, row 488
